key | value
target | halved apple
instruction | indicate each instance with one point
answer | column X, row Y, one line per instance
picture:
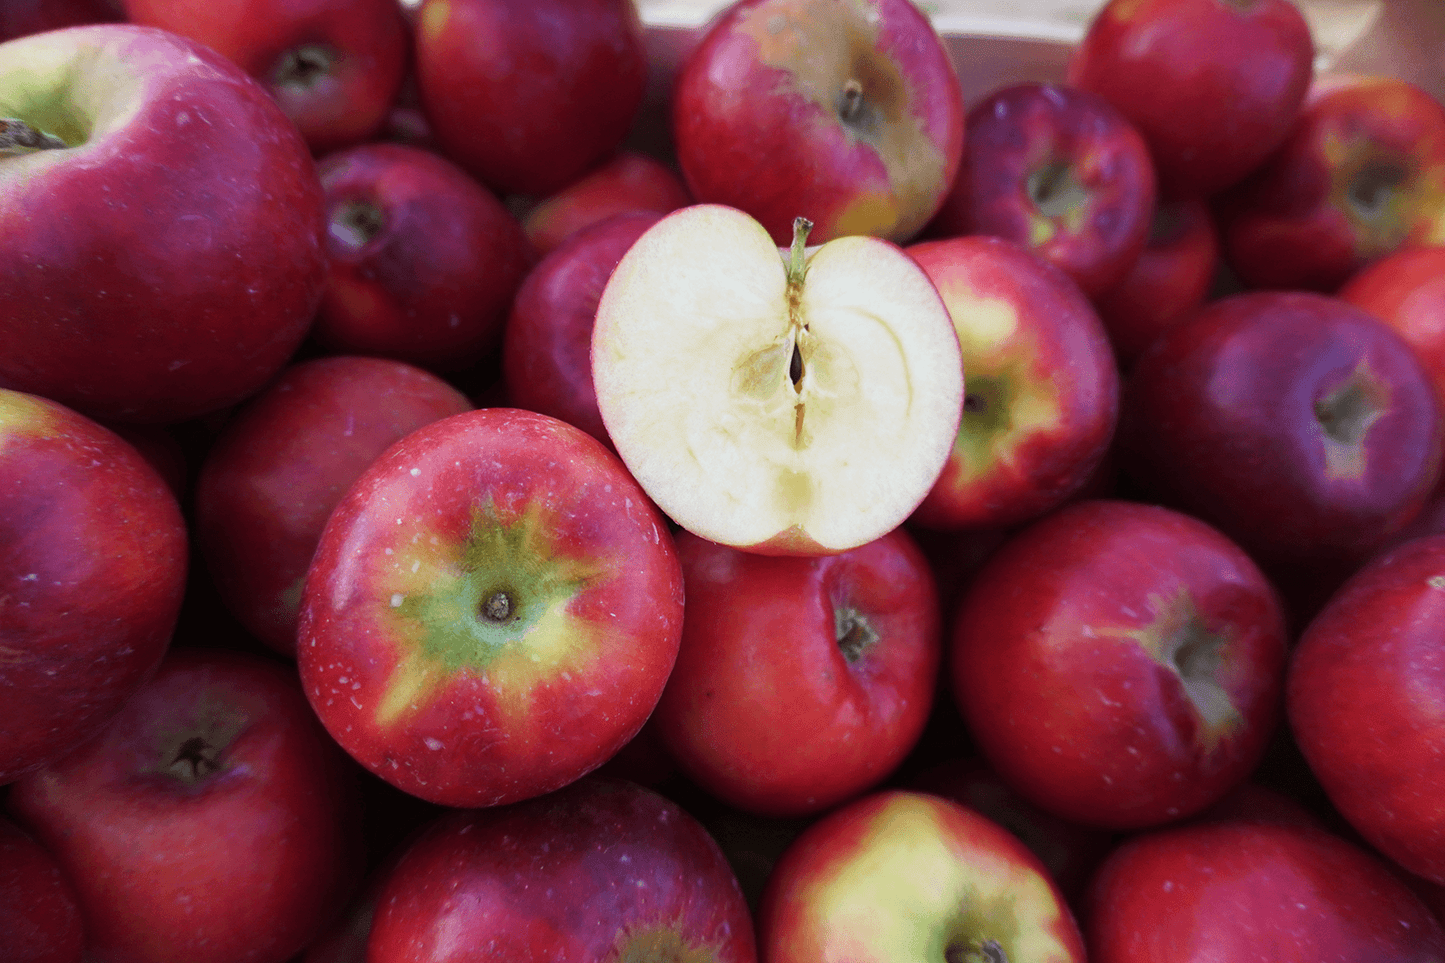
column 798, row 401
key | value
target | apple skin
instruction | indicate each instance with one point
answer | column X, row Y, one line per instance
column 334, row 66
column 1366, row 702
column 1119, row 664
column 629, row 181
column 1041, row 385
column 273, row 475
column 1362, row 174
column 1253, row 891
column 423, row 260
column 212, row 821
column 20, row 18
column 1301, row 426
column 544, row 617
column 530, row 96
column 188, row 301
column 800, row 682
column 902, row 876
column 1406, row 290
column 758, row 116
column 92, row 575
column 601, row 869
column 39, row 913
column 1212, row 86
column 547, row 342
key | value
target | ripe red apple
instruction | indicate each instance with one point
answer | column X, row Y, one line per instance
column 1366, row 701
column 1301, row 426
column 600, row 870
column 272, row 476
column 1059, row 171
column 39, row 914
column 547, row 342
column 1119, row 664
column 1361, row 175
column 1213, row 86
column 903, row 876
column 334, row 66
column 423, row 260
column 530, row 96
column 629, row 181
column 1252, row 891
column 1041, row 395
column 181, row 260
column 92, row 574
column 492, row 610
column 212, row 821
column 1406, row 290
column 848, row 114
column 800, row 682
column 20, row 18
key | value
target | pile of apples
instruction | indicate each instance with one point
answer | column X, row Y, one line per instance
column 450, row 511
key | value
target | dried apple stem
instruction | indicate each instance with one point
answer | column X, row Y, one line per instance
column 18, row 137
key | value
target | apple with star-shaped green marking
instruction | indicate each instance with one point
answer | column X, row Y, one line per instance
column 492, row 610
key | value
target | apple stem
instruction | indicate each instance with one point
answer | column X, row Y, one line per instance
column 18, row 137
column 797, row 264
column 852, row 104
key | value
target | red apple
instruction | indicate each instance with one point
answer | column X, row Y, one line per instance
column 547, row 343
column 800, row 682
column 1361, row 175
column 848, row 114
column 904, row 876
column 1058, row 171
column 334, row 66
column 1303, row 427
column 39, row 914
column 92, row 573
column 1119, row 664
column 1253, row 892
column 20, row 18
column 1406, row 290
column 424, row 261
column 164, row 247
column 601, row 870
column 530, row 96
column 629, row 181
column 273, row 475
column 492, row 610
column 1212, row 86
column 213, row 820
column 1041, row 385
column 1366, row 701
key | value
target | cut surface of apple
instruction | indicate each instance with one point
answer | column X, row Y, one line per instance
column 795, row 401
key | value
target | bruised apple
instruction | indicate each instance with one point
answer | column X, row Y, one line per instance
column 796, row 401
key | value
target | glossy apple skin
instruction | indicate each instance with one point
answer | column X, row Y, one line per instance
column 273, row 475
column 1222, row 417
column 337, row 99
column 92, row 575
column 246, row 857
column 529, row 95
column 1254, row 892
column 20, row 18
column 1041, row 384
column 183, row 304
column 1171, row 279
column 629, row 181
column 768, row 707
column 1213, row 86
column 1361, row 175
column 1406, row 290
column 757, row 125
column 436, row 696
column 39, row 914
column 547, row 343
column 1366, row 702
column 1059, row 171
column 1119, row 664
column 602, row 869
column 423, row 260
column 900, row 876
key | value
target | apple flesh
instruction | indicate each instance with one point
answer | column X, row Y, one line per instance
column 786, row 402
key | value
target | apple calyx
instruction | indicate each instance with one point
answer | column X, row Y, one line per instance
column 18, row 137
column 1056, row 192
column 854, row 633
column 985, row 951
column 1345, row 414
column 304, row 67
column 1373, row 193
column 658, row 944
column 1180, row 639
column 194, row 760
column 354, row 224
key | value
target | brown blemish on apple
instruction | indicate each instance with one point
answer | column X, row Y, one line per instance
column 814, row 43
column 1345, row 414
